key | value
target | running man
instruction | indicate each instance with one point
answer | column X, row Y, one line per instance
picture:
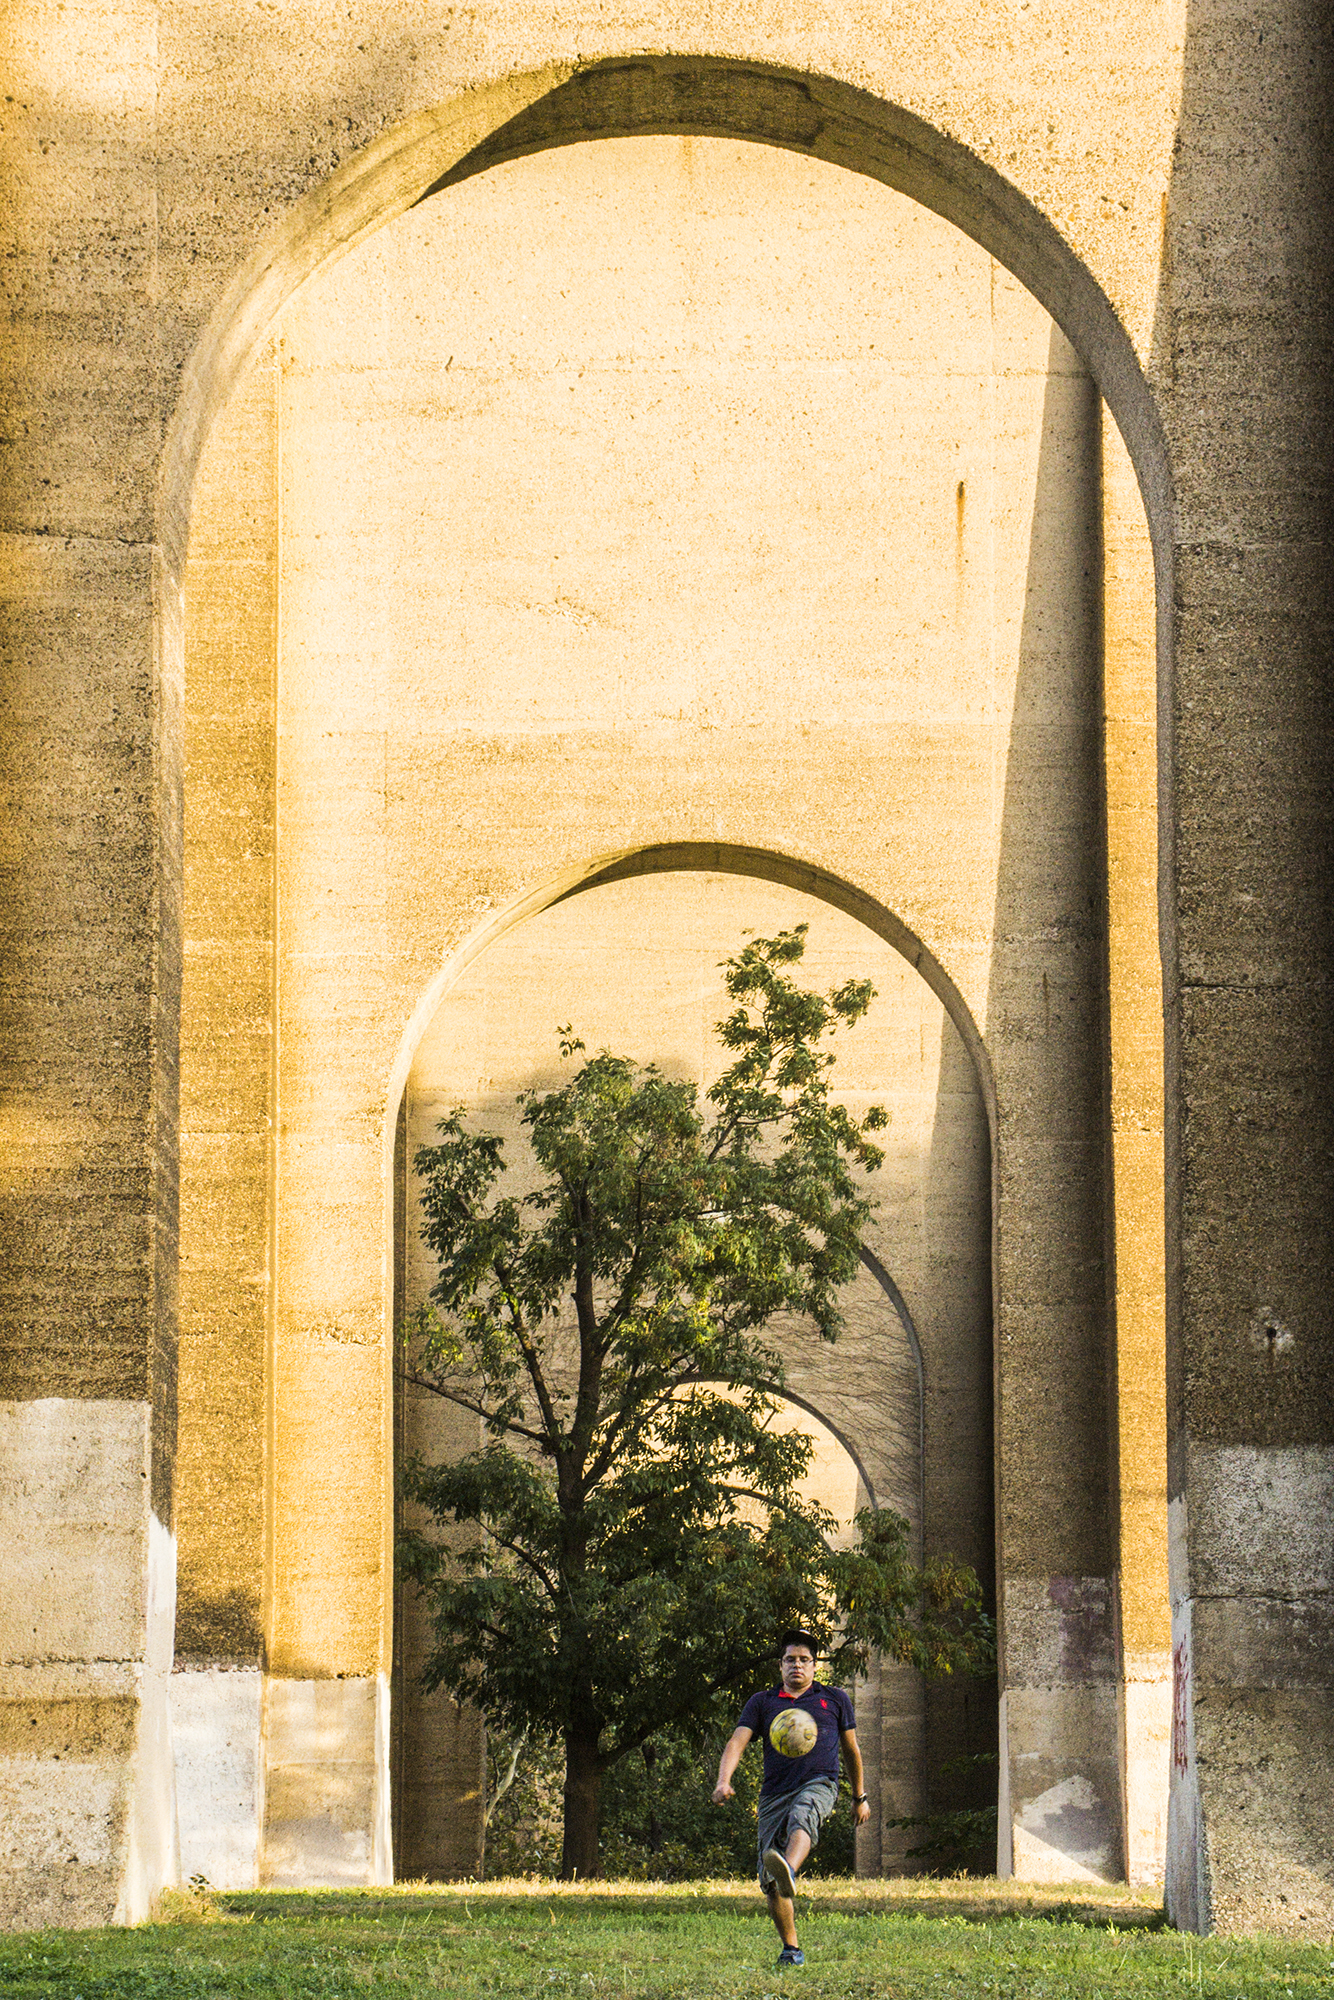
column 798, row 1793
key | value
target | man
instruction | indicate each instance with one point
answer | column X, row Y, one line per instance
column 798, row 1793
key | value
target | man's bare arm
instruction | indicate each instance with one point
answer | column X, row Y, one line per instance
column 728, row 1762
column 852, row 1757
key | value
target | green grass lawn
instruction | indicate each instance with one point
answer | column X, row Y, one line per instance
column 916, row 1940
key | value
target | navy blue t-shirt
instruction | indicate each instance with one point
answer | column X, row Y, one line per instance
column 832, row 1712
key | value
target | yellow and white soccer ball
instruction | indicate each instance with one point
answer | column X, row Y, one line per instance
column 793, row 1732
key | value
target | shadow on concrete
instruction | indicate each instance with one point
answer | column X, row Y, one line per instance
column 960, row 1714
column 1045, row 1030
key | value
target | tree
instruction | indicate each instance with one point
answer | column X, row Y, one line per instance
column 639, row 1537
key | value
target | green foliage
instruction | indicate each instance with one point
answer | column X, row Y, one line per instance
column 639, row 1538
column 956, row 1839
column 659, row 1823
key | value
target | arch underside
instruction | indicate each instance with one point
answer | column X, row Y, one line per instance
column 698, row 856
column 682, row 96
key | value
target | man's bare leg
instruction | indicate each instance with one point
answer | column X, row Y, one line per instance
column 781, row 1908
column 798, row 1847
column 783, row 1911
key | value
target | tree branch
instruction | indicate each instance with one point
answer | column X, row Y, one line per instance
column 529, row 1353
column 765, row 1500
column 664, row 1715
column 638, row 1411
column 591, row 1353
column 532, row 1563
column 471, row 1404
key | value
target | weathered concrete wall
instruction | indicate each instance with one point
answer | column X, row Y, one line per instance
column 87, row 1800
column 1135, row 1136
column 227, row 1009
column 126, row 247
column 217, row 1724
column 438, row 1746
column 228, row 1036
column 1244, row 358
column 140, row 181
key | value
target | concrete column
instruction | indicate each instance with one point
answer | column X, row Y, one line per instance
column 1135, row 1124
column 339, row 1016
column 226, row 1138
column 1244, row 353
column 89, row 978
column 1060, row 1788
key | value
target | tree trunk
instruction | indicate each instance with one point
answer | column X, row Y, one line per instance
column 649, row 1751
column 580, row 1859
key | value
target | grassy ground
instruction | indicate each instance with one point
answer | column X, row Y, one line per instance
column 706, row 1940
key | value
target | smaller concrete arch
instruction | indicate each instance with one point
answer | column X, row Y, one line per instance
column 480, row 1033
column 853, row 1449
column 722, row 857
column 900, row 1305
column 835, row 1430
column 837, row 1422
column 889, row 1700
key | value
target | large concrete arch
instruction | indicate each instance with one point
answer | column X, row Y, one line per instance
column 641, row 94
column 333, row 220
column 688, row 95
column 316, row 1629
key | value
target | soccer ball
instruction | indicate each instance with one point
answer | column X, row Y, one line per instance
column 793, row 1732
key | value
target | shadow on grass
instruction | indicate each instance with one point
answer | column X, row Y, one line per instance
column 970, row 1901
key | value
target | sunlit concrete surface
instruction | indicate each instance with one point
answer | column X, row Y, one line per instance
column 452, row 462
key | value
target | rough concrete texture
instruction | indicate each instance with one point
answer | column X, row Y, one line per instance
column 326, row 1805
column 1157, row 175
column 1062, row 1818
column 227, row 1015
column 1253, row 1608
column 217, row 1731
column 1244, row 331
column 438, row 1746
column 1135, row 1135
column 86, row 1622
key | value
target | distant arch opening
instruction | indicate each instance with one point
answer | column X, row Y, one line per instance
column 633, row 963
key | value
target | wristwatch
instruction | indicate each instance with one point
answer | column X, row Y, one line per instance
column 861, row 1799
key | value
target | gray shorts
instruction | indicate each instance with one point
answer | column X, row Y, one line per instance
column 786, row 1813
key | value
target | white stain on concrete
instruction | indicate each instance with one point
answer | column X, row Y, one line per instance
column 87, row 1627
column 216, row 1721
column 152, row 1854
column 74, row 1512
column 382, row 1837
column 1146, row 1729
column 1065, row 1834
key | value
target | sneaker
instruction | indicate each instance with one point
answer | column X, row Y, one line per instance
column 791, row 1954
column 779, row 1870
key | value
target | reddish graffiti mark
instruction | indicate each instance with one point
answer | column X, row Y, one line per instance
column 1180, row 1692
